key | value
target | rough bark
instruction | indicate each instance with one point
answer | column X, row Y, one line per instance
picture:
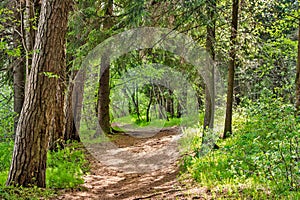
column 73, row 107
column 104, row 88
column 231, row 68
column 210, row 43
column 28, row 167
column 59, row 121
column 298, row 76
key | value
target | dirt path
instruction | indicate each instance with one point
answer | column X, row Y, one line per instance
column 135, row 168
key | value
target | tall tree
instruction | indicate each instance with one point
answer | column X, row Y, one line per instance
column 104, row 88
column 29, row 32
column 210, row 43
column 24, row 33
column 28, row 165
column 19, row 66
column 73, row 106
column 231, row 68
column 59, row 121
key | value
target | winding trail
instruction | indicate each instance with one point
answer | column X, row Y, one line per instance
column 136, row 165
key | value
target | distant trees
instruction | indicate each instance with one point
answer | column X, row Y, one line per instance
column 34, row 129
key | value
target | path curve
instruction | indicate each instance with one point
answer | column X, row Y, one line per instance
column 131, row 178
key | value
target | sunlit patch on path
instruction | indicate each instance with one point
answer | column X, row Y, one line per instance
column 151, row 174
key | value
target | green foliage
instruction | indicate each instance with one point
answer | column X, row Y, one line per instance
column 6, row 113
column 6, row 149
column 51, row 75
column 21, row 193
column 65, row 168
column 260, row 160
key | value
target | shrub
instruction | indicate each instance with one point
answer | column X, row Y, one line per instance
column 263, row 152
column 65, row 168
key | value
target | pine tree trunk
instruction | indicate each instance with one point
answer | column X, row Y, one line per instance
column 59, row 122
column 232, row 55
column 18, row 69
column 73, row 108
column 210, row 43
column 103, row 95
column 57, row 137
column 30, row 32
column 28, row 167
column 104, row 88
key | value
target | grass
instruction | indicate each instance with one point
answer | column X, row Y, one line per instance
column 64, row 171
column 157, row 123
column 260, row 161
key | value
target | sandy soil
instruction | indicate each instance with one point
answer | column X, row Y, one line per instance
column 135, row 166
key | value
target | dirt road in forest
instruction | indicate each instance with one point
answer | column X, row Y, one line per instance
column 136, row 166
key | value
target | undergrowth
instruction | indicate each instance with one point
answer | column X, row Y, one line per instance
column 65, row 168
column 261, row 159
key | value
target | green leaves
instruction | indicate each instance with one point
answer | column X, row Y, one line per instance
column 264, row 152
column 51, row 75
column 65, row 168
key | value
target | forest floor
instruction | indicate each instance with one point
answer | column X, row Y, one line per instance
column 138, row 165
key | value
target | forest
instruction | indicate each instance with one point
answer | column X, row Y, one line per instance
column 149, row 99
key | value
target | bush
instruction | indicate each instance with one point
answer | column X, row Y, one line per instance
column 65, row 168
column 262, row 154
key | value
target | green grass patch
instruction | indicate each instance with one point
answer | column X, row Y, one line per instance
column 157, row 123
column 64, row 170
column 261, row 159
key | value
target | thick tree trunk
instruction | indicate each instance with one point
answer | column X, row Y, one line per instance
column 104, row 89
column 59, row 122
column 210, row 48
column 28, row 167
column 103, row 96
column 57, row 137
column 232, row 55
column 298, row 76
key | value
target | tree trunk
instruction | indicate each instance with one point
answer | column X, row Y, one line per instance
column 28, row 167
column 57, row 137
column 19, row 86
column 232, row 55
column 30, row 9
column 210, row 48
column 149, row 106
column 73, row 106
column 18, row 70
column 298, row 76
column 104, row 89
